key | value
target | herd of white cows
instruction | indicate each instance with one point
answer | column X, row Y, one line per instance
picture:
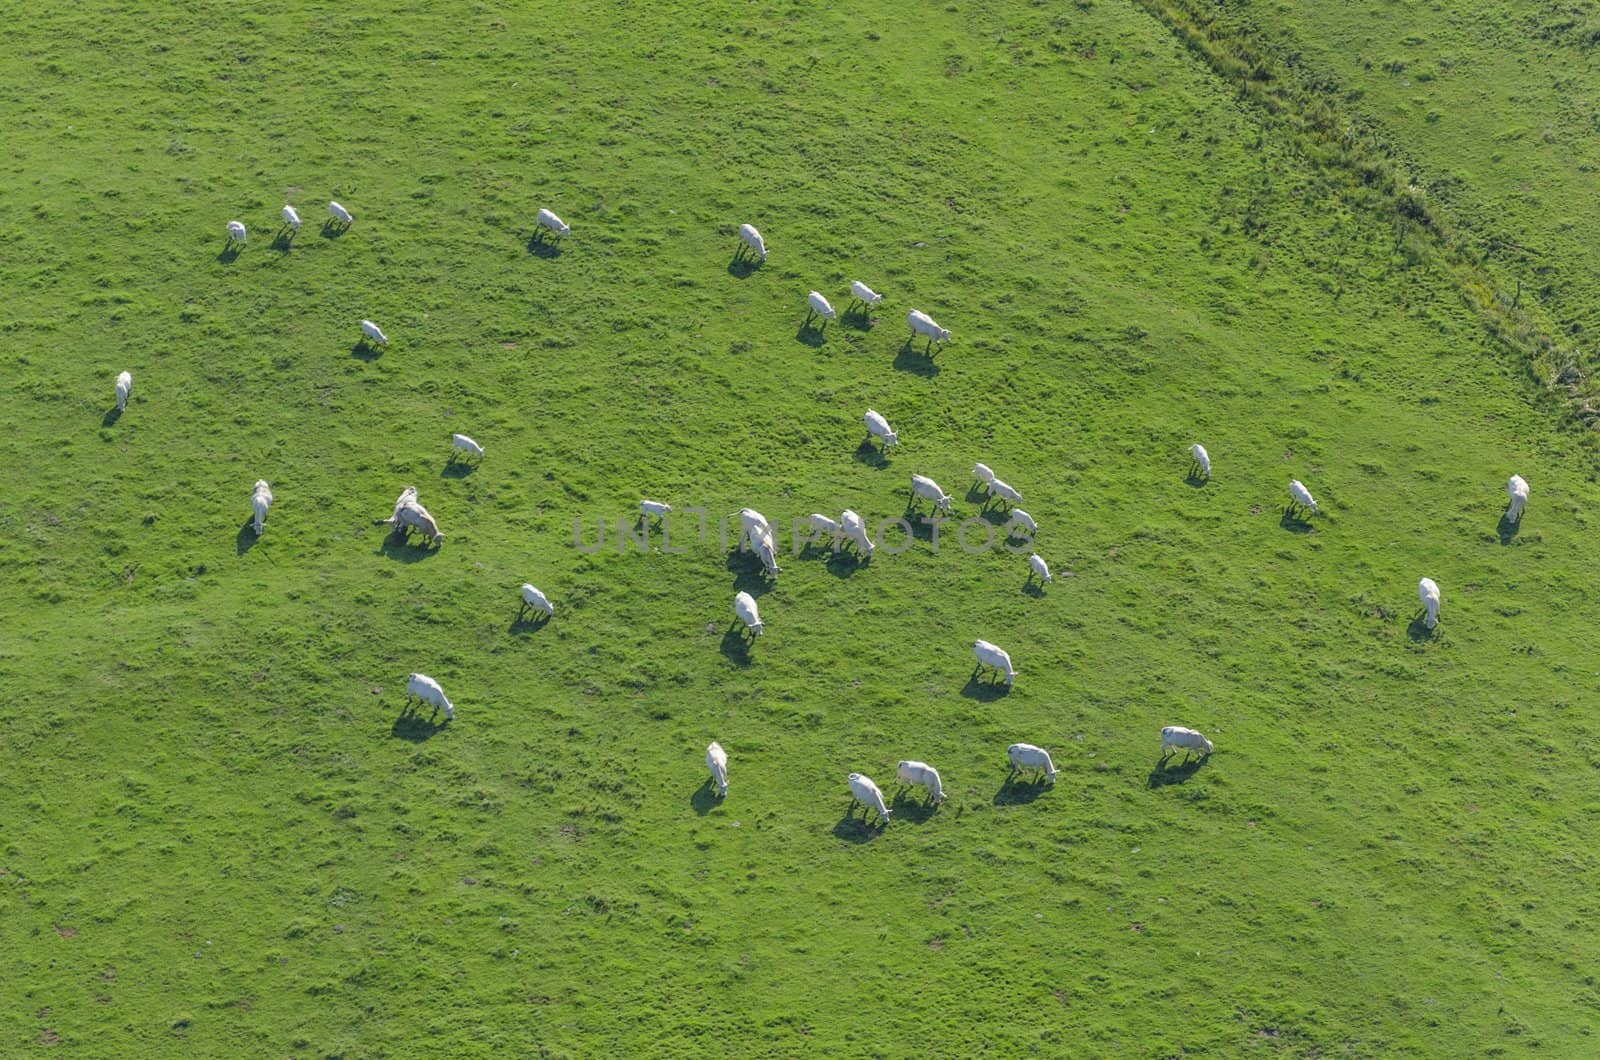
column 756, row 532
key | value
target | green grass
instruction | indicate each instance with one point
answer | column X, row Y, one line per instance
column 221, row 840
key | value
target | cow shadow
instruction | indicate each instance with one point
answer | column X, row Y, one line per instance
column 333, row 231
column 454, row 468
column 246, row 538
column 735, row 645
column 544, row 248
column 842, row 564
column 909, row 359
column 111, row 417
column 1418, row 630
column 853, row 829
column 705, row 798
column 741, row 266
column 1019, row 790
column 1508, row 529
column 283, row 242
column 398, row 547
column 984, row 691
column 229, row 254
column 1164, row 773
column 528, row 620
column 1195, row 479
column 1033, row 588
column 908, row 807
column 366, row 351
column 1295, row 523
column 810, row 335
column 411, row 725
column 749, row 575
column 870, row 455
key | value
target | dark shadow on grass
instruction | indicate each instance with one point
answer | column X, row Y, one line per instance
column 111, row 417
column 985, row 691
column 366, row 351
column 283, row 241
column 853, row 829
column 859, row 320
column 528, row 620
column 705, row 799
column 412, row 726
column 1195, row 479
column 1033, row 588
column 843, row 564
column 1418, row 631
column 1508, row 530
column 398, row 547
column 749, row 575
column 741, row 266
column 229, row 253
column 1019, row 789
column 1167, row 771
column 333, row 231
column 544, row 248
column 454, row 468
column 907, row 806
column 912, row 360
column 810, row 335
column 871, row 455
column 1294, row 523
column 976, row 495
column 736, row 645
column 246, row 538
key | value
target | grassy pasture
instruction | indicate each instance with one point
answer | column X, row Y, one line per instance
column 223, row 838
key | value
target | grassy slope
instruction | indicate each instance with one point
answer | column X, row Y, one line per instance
column 219, row 831
column 1496, row 106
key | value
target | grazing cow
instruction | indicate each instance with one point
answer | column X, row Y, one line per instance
column 260, row 501
column 744, row 605
column 819, row 307
column 463, row 446
column 124, row 388
column 922, row 324
column 750, row 239
column 1027, row 756
column 338, row 215
column 1199, row 461
column 878, row 427
column 920, row 774
column 236, row 234
column 717, row 762
column 545, row 221
column 291, row 218
column 1517, row 490
column 1301, row 497
column 855, row 529
column 1429, row 593
column 982, row 473
column 999, row 490
column 371, row 333
column 927, row 489
column 1021, row 520
column 860, row 292
column 1037, row 565
column 534, row 599
column 426, row 689
column 415, row 515
column 864, row 791
column 993, row 658
column 1176, row 736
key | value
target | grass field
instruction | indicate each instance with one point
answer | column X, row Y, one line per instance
column 224, row 838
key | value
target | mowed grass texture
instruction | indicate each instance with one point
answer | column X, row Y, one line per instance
column 223, row 838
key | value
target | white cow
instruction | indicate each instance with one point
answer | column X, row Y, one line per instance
column 408, row 496
column 822, row 524
column 878, row 427
column 1200, row 460
column 750, row 239
column 744, row 605
column 1022, row 519
column 426, row 689
column 260, row 501
column 237, row 233
column 1176, row 736
column 1004, row 492
column 766, row 551
column 534, row 599
column 291, row 217
column 864, row 791
column 1517, row 490
column 717, row 762
column 1037, row 565
column 461, row 444
column 1301, row 496
column 752, row 524
column 982, row 473
column 922, row 775
column 1027, row 756
column 860, row 292
column 993, row 658
column 819, row 308
column 339, row 215
column 409, row 515
column 654, row 509
column 371, row 332
column 545, row 221
column 124, row 388
column 927, row 489
column 922, row 324
column 1429, row 593
column 855, row 528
